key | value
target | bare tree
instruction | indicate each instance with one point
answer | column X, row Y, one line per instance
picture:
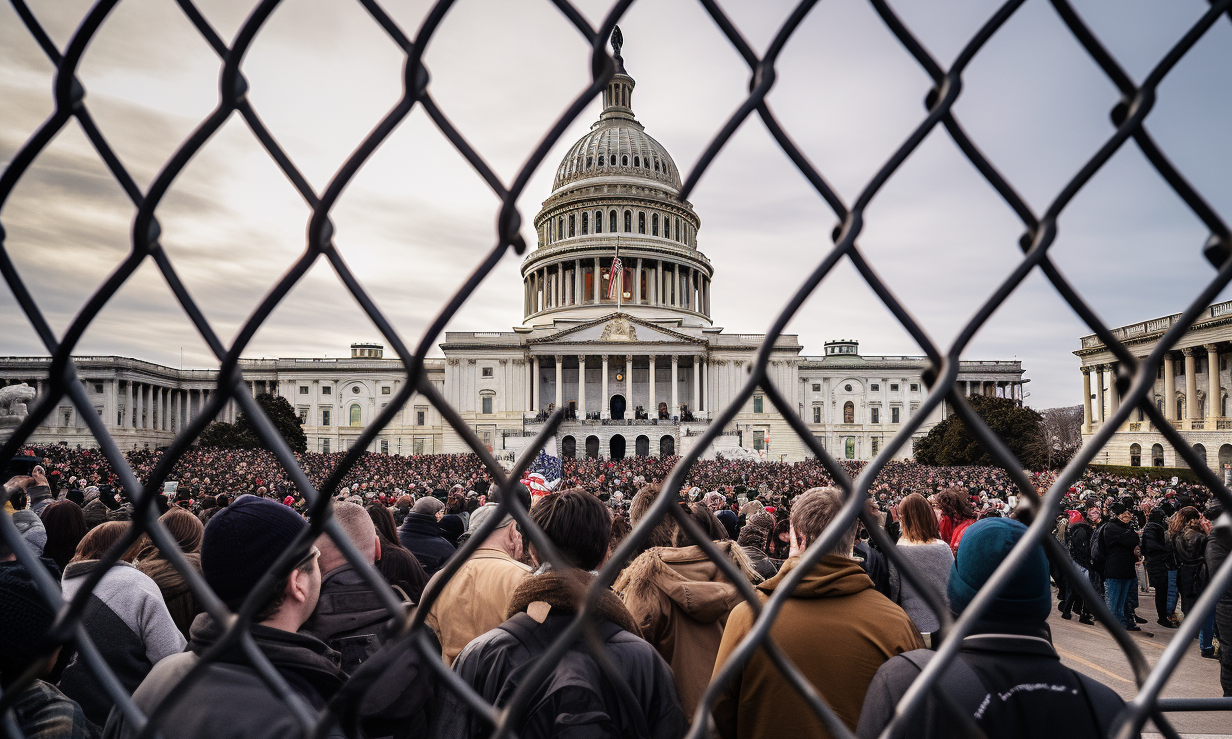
column 1062, row 433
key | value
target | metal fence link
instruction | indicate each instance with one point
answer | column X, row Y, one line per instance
column 1134, row 382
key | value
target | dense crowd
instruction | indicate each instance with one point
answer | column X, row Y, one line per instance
column 670, row 623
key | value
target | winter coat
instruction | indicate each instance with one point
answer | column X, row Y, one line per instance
column 400, row 568
column 576, row 694
column 956, row 534
column 1119, row 542
column 1080, row 535
column 999, row 666
column 421, row 535
column 181, row 603
column 475, row 600
column 680, row 601
column 933, row 560
column 836, row 628
column 130, row 626
column 230, row 699
column 763, row 564
column 1191, row 573
column 43, row 712
column 1216, row 554
column 1156, row 552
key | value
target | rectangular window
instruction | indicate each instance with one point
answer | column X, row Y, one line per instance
column 915, row 387
column 759, row 440
column 816, row 387
column 487, row 405
column 417, row 446
column 816, row 414
column 325, row 416
column 487, row 372
column 384, row 446
column 894, row 415
column 385, row 390
column 876, row 445
column 420, row 414
column 875, row 387
column 327, row 390
column 758, row 405
column 893, row 387
column 303, row 416
column 303, row 389
column 325, row 446
column 876, row 415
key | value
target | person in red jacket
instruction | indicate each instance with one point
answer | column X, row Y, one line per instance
column 957, row 514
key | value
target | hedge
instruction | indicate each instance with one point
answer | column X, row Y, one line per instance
column 1150, row 473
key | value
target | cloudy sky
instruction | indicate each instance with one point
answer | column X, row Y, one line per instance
column 417, row 218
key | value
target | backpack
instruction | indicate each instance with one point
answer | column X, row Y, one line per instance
column 576, row 700
column 1080, row 546
column 1099, row 553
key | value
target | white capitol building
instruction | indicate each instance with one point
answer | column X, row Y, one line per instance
column 641, row 372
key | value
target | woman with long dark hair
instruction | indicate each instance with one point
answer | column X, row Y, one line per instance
column 66, row 525
column 957, row 514
column 396, row 564
column 1189, row 535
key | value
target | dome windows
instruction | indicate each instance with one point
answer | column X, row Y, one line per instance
column 588, row 161
column 598, row 221
column 560, row 228
column 585, row 223
column 613, row 160
column 654, row 224
column 628, row 221
column 572, row 223
column 641, row 222
column 624, row 160
column 612, row 222
column 637, row 161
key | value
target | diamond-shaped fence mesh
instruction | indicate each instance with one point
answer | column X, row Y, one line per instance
column 1135, row 378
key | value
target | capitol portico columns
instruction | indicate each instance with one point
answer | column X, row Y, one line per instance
column 675, row 409
column 696, row 388
column 629, row 406
column 1191, row 384
column 1169, row 388
column 1114, row 395
column 1086, row 400
column 1099, row 392
column 1214, row 406
column 581, row 386
column 534, row 384
column 560, row 382
column 652, row 407
column 603, row 406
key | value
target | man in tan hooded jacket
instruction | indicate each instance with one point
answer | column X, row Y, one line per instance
column 680, row 599
column 835, row 627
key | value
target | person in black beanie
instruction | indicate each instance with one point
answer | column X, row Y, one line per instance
column 1009, row 647
column 40, row 708
column 242, row 542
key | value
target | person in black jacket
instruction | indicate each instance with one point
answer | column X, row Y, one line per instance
column 421, row 534
column 1189, row 543
column 996, row 673
column 1158, row 562
column 577, row 695
column 1216, row 555
column 1081, row 529
column 1120, row 548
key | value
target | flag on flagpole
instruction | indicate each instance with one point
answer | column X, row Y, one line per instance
column 614, row 286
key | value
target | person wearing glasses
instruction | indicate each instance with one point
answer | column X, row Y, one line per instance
column 240, row 544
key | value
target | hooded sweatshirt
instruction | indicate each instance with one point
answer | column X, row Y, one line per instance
column 837, row 630
column 680, row 601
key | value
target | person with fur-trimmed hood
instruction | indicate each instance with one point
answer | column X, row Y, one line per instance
column 577, row 694
column 680, row 598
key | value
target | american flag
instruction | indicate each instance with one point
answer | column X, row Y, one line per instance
column 613, row 286
column 544, row 474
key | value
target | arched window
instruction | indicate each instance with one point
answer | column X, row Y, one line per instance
column 572, row 224
column 613, row 162
column 585, row 223
column 624, row 160
column 598, row 221
column 588, row 162
column 356, row 414
column 667, row 227
column 1157, row 455
column 1180, row 407
column 1135, row 455
column 641, row 222
column 678, row 229
column 849, row 412
column 654, row 224
column 560, row 228
column 637, row 161
column 628, row 221
column 1201, row 451
column 611, row 222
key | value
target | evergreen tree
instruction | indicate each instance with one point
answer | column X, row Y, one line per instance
column 241, row 435
column 952, row 443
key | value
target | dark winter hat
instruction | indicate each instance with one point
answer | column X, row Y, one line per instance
column 242, row 541
column 24, row 619
column 1026, row 597
column 1117, row 508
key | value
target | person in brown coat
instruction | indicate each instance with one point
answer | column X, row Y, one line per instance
column 835, row 627
column 187, row 531
column 680, row 599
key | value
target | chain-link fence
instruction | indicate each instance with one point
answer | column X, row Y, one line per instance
column 1134, row 380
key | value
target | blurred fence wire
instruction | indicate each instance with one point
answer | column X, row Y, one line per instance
column 1134, row 379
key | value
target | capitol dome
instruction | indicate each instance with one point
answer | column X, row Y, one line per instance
column 616, row 194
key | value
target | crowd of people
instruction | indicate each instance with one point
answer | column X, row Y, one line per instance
column 672, row 622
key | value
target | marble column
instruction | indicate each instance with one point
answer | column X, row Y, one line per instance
column 675, row 409
column 1169, row 388
column 596, row 281
column 637, row 283
column 1099, row 393
column 1114, row 395
column 534, row 384
column 1191, row 385
column 629, row 407
column 658, row 296
column 652, row 407
column 1214, row 397
column 132, row 405
column 696, row 386
column 141, row 406
column 604, row 411
column 560, row 382
column 578, row 295
column 174, row 405
column 581, row 386
column 1086, row 400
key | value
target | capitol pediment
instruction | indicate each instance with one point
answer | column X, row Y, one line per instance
column 618, row 328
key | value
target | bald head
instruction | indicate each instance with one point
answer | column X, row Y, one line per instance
column 358, row 527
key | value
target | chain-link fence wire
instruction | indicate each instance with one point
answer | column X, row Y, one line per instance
column 1134, row 376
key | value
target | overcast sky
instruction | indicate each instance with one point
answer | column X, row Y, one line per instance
column 417, row 218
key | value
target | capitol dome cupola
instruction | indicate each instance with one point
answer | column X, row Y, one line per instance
column 617, row 188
